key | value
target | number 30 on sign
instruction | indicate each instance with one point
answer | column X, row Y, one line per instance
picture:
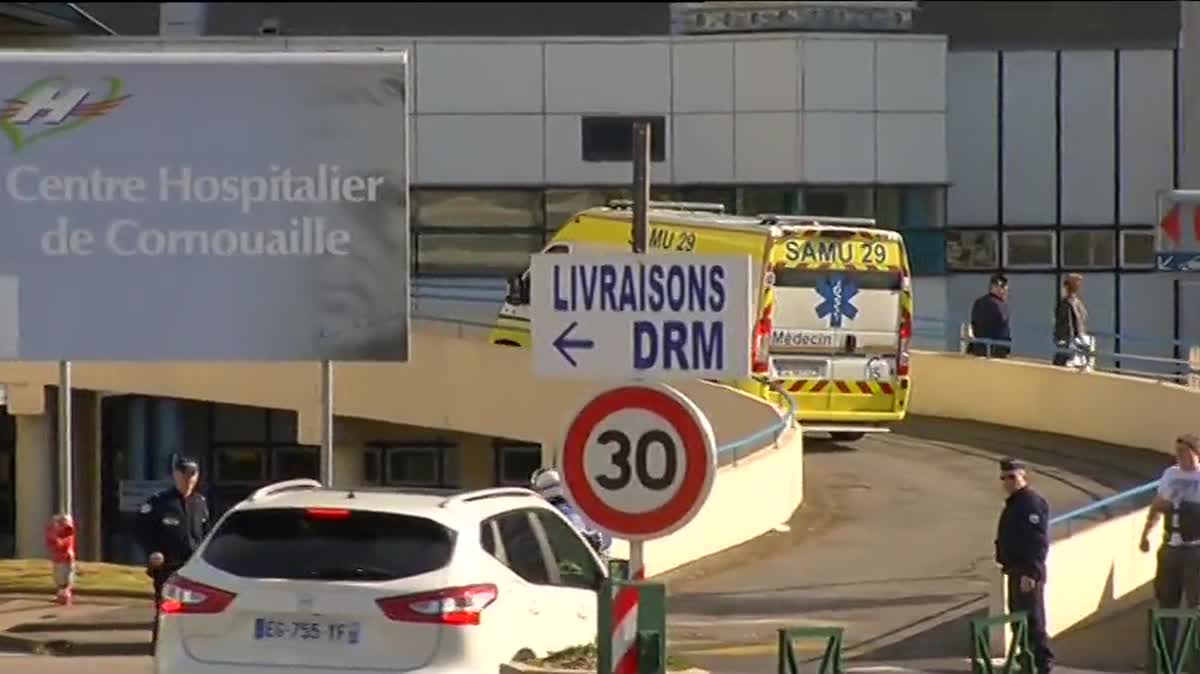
column 639, row 461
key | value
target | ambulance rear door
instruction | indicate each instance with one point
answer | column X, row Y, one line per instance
column 836, row 328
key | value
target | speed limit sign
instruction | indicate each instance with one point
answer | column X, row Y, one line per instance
column 638, row 461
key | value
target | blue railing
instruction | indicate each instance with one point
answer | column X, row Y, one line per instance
column 1121, row 499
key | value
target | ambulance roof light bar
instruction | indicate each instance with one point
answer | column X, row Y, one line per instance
column 697, row 206
column 774, row 219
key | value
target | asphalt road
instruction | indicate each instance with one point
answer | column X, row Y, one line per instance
column 894, row 544
column 25, row 664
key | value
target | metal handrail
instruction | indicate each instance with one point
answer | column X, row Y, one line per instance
column 1104, row 503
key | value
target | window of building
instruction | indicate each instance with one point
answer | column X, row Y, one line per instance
column 372, row 466
column 239, row 424
column 1088, row 249
column 498, row 253
column 1137, row 248
column 709, row 195
column 433, row 464
column 477, row 209
column 289, row 463
column 283, row 425
column 611, row 138
column 838, row 202
column 1029, row 249
column 562, row 204
column 414, row 466
column 764, row 200
column 972, row 250
column 910, row 207
column 516, row 463
column 240, row 465
column 926, row 251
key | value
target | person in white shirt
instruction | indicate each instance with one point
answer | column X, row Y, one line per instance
column 1177, row 578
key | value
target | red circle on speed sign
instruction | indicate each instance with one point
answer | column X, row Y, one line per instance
column 598, row 440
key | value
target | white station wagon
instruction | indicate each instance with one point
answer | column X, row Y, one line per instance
column 331, row 580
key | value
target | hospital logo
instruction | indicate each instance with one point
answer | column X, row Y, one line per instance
column 51, row 107
column 837, row 294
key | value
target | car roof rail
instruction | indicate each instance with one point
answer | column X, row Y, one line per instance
column 776, row 219
column 300, row 484
column 481, row 494
column 699, row 206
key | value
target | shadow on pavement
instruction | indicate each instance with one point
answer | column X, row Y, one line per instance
column 949, row 638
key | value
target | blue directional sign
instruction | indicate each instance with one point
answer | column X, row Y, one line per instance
column 1178, row 261
column 651, row 317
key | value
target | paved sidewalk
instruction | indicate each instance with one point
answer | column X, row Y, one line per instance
column 92, row 626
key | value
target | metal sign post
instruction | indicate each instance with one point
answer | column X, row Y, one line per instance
column 66, row 479
column 641, row 185
column 327, row 423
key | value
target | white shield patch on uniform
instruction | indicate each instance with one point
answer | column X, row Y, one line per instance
column 145, row 509
column 1034, row 518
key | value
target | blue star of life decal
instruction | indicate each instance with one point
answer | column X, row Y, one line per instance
column 837, row 293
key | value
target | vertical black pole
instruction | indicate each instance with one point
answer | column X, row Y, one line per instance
column 641, row 184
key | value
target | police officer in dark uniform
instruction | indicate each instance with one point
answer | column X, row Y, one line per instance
column 1022, row 542
column 171, row 525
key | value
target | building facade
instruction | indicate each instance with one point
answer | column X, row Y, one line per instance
column 1024, row 137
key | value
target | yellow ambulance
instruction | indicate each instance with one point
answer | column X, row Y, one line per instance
column 834, row 303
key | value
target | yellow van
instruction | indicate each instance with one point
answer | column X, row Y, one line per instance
column 834, row 312
column 839, row 313
column 683, row 228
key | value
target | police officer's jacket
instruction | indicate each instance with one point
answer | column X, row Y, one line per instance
column 170, row 524
column 599, row 540
column 1023, row 537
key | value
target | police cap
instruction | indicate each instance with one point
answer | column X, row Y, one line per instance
column 185, row 464
column 1010, row 465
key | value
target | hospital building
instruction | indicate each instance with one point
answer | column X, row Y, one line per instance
column 1017, row 137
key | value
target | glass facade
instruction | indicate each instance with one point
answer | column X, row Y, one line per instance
column 491, row 232
column 239, row 448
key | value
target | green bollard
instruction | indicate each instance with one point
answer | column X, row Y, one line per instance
column 1184, row 657
column 1019, row 657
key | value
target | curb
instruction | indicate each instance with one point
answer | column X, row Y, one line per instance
column 64, row 648
column 65, row 626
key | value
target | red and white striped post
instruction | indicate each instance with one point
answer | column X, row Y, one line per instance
column 625, row 616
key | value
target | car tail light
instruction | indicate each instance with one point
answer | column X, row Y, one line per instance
column 327, row 513
column 906, row 329
column 184, row 596
column 452, row 606
column 760, row 358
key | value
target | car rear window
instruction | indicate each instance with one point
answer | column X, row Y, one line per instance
column 299, row 544
column 787, row 277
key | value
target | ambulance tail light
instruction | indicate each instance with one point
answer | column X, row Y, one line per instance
column 906, row 329
column 760, row 359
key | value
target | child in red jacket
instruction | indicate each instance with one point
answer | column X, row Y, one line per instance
column 60, row 543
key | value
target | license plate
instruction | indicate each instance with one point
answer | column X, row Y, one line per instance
column 308, row 631
column 800, row 369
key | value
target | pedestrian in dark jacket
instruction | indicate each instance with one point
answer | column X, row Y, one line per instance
column 1070, row 320
column 1022, row 544
column 171, row 525
column 989, row 321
